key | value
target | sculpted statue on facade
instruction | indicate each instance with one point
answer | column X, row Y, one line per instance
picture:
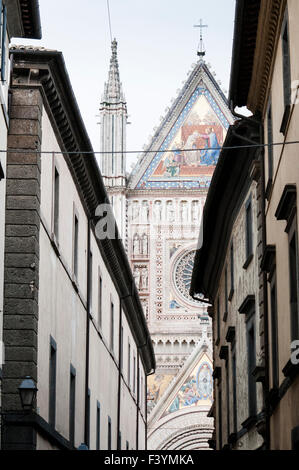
column 144, row 244
column 195, row 211
column 136, row 275
column 135, row 211
column 158, row 211
column 144, row 278
column 184, row 212
column 136, row 245
column 145, row 211
column 170, row 212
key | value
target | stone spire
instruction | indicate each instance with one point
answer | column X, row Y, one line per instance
column 113, row 112
column 113, row 88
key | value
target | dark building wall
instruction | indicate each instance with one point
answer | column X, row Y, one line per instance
column 20, row 323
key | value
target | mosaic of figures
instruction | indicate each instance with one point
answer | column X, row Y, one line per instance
column 156, row 386
column 191, row 150
column 197, row 389
column 164, row 211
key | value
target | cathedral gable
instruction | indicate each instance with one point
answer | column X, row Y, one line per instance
column 199, row 119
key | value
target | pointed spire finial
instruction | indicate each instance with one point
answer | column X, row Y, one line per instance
column 113, row 89
column 114, row 48
column 201, row 52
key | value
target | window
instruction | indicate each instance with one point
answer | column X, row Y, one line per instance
column 294, row 281
column 251, row 362
column 225, row 296
column 109, row 433
column 98, row 436
column 127, row 445
column 72, row 405
column 234, row 380
column 75, row 245
column 270, row 142
column 100, row 297
column 232, row 279
column 52, row 383
column 56, row 203
column 286, row 62
column 141, row 393
column 88, row 419
column 129, row 364
column 121, row 348
column 112, row 326
column 248, row 229
column 219, row 418
column 274, row 331
column 134, row 374
column 90, row 281
column 218, row 321
column 227, row 398
column 3, row 11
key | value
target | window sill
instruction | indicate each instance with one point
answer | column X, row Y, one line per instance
column 248, row 261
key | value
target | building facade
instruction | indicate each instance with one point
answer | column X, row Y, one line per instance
column 227, row 273
column 73, row 320
column 158, row 207
column 265, row 79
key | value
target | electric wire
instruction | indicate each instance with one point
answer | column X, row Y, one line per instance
column 144, row 152
column 109, row 19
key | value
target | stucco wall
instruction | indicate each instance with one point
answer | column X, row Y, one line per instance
column 63, row 316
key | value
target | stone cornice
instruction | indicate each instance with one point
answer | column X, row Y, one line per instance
column 268, row 33
column 168, row 194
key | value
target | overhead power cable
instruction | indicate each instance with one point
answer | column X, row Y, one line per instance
column 205, row 149
column 109, row 19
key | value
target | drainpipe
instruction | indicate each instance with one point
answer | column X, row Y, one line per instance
column 86, row 422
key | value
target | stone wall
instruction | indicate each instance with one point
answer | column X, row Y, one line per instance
column 21, row 244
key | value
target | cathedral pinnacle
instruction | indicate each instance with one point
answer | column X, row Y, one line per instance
column 113, row 88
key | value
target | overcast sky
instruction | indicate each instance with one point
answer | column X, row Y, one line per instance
column 157, row 45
